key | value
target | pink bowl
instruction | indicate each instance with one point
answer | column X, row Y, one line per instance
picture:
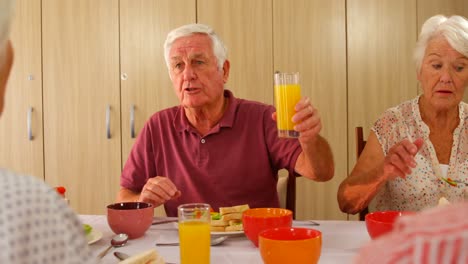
column 131, row 218
column 380, row 223
column 259, row 219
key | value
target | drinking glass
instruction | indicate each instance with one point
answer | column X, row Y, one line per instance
column 194, row 233
column 287, row 95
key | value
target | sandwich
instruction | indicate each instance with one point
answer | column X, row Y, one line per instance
column 146, row 257
column 228, row 219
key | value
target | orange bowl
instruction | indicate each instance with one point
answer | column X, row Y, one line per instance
column 380, row 223
column 131, row 218
column 290, row 245
column 258, row 219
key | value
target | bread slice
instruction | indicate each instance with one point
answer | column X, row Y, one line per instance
column 233, row 209
column 219, row 223
column 146, row 257
column 232, row 228
column 217, row 228
column 231, row 216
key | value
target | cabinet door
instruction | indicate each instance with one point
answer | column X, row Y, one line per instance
column 22, row 151
column 145, row 84
column 245, row 27
column 310, row 37
column 81, row 82
column 428, row 8
column 146, row 87
column 381, row 72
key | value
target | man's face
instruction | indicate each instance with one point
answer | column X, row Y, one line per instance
column 5, row 67
column 193, row 69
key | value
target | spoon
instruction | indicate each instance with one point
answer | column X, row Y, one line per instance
column 213, row 242
column 117, row 241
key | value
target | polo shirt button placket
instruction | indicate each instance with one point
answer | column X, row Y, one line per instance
column 202, row 141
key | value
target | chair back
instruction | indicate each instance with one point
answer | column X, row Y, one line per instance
column 360, row 144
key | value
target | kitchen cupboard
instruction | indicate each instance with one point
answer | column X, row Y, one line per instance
column 21, row 146
column 79, row 64
column 81, row 100
column 145, row 84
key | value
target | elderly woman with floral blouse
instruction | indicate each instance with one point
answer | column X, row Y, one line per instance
column 417, row 152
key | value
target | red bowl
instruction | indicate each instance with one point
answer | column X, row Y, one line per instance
column 131, row 218
column 290, row 245
column 379, row 223
column 259, row 219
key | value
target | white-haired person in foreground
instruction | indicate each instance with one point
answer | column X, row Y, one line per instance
column 36, row 224
column 435, row 235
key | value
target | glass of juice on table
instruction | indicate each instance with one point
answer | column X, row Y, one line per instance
column 287, row 95
column 194, row 233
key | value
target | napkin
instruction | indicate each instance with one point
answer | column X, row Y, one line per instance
column 146, row 257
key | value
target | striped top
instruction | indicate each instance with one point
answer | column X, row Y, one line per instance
column 437, row 235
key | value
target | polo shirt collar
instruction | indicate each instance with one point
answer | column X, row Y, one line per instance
column 181, row 122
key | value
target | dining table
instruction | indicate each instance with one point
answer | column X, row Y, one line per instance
column 341, row 241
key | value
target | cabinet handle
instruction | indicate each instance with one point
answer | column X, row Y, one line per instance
column 108, row 108
column 132, row 121
column 30, row 136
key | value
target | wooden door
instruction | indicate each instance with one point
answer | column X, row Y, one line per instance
column 245, row 27
column 381, row 72
column 22, row 148
column 81, row 83
column 309, row 37
column 145, row 84
column 428, row 8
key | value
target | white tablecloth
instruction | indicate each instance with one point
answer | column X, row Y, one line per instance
column 341, row 241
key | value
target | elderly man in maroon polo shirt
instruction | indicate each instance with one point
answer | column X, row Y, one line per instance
column 213, row 147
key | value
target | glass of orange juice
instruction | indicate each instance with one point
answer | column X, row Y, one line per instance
column 287, row 95
column 194, row 233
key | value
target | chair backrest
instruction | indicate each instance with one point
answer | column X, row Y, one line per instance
column 286, row 188
column 360, row 144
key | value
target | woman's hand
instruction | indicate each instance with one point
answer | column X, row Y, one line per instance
column 400, row 158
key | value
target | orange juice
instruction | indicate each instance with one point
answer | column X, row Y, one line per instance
column 286, row 97
column 194, row 239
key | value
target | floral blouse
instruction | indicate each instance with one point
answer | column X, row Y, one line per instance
column 423, row 187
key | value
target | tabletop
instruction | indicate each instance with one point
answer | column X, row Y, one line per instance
column 341, row 241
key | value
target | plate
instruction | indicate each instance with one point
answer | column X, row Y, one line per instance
column 94, row 236
column 231, row 233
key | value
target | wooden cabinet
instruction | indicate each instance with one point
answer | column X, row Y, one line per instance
column 20, row 150
column 310, row 37
column 145, row 84
column 82, row 100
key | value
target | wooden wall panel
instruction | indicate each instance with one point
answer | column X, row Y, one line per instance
column 81, row 78
column 428, row 8
column 145, row 82
column 24, row 91
column 309, row 37
column 381, row 72
column 245, row 27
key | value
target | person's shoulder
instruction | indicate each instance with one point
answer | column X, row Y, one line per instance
column 398, row 112
column 251, row 105
column 169, row 112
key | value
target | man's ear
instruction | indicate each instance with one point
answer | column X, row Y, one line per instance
column 226, row 67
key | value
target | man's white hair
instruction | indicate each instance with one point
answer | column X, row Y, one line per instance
column 6, row 14
column 219, row 49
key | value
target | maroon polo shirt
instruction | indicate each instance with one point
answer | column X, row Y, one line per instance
column 237, row 162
